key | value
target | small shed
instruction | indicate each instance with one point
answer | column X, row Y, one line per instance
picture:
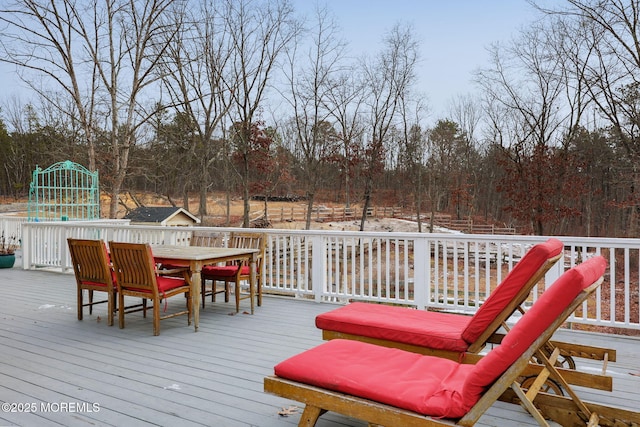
column 162, row 215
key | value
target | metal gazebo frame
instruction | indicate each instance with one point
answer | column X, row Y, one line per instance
column 64, row 191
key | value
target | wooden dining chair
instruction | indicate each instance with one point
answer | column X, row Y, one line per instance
column 210, row 239
column 136, row 276
column 235, row 272
column 91, row 267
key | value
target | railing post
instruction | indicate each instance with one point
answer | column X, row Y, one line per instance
column 422, row 273
column 25, row 246
column 318, row 267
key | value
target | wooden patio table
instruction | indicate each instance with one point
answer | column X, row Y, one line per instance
column 195, row 257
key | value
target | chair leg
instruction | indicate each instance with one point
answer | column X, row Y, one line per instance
column 121, row 310
column 110, row 308
column 310, row 415
column 203, row 288
column 90, row 302
column 156, row 317
column 189, row 308
column 251, row 295
column 237, row 292
column 80, row 294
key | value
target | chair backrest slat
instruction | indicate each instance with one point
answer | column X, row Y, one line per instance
column 208, row 239
column 134, row 265
column 90, row 261
column 248, row 240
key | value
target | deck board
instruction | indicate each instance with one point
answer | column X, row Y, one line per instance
column 182, row 378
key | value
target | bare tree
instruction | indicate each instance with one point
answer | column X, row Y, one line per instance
column 611, row 70
column 259, row 32
column 310, row 79
column 387, row 79
column 193, row 71
column 345, row 101
column 413, row 152
column 528, row 97
column 102, row 54
column 42, row 38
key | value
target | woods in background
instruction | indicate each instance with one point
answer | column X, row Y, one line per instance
column 245, row 97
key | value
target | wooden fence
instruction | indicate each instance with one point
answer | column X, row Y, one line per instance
column 327, row 214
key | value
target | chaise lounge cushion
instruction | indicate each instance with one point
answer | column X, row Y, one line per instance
column 430, row 385
column 424, row 384
column 435, row 330
column 531, row 262
column 422, row 328
column 541, row 315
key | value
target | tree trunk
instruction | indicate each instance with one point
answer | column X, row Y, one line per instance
column 367, row 202
column 310, row 199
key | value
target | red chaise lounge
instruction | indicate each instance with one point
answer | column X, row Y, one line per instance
column 457, row 336
column 389, row 386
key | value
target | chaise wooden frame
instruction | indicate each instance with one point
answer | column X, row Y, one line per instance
column 565, row 410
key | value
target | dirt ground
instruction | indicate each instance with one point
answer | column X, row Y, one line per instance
column 381, row 224
column 217, row 212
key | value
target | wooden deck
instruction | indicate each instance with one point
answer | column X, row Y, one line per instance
column 78, row 373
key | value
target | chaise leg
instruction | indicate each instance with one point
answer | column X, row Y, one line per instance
column 310, row 416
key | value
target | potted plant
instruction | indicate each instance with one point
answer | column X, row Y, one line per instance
column 7, row 251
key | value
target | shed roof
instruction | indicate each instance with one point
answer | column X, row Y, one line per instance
column 158, row 214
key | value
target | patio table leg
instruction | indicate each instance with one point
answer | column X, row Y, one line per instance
column 196, row 281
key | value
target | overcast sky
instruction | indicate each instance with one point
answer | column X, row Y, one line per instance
column 453, row 35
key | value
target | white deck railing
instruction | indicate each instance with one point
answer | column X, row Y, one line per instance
column 442, row 271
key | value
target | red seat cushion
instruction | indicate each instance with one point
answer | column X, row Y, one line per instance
column 424, row 384
column 224, row 271
column 538, row 318
column 90, row 283
column 165, row 283
column 418, row 327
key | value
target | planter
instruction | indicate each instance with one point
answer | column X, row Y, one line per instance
column 7, row 261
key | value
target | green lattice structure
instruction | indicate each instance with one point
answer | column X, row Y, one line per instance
column 65, row 191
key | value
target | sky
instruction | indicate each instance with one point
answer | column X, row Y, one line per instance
column 453, row 35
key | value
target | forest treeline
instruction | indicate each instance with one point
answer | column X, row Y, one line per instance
column 182, row 97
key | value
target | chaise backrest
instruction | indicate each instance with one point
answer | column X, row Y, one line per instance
column 511, row 292
column 538, row 323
